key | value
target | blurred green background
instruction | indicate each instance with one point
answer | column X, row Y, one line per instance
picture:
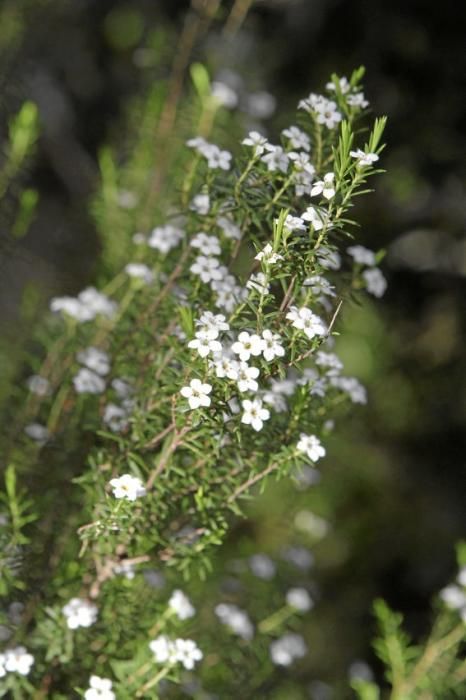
column 393, row 487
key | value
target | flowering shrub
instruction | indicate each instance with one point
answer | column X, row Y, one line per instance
column 204, row 368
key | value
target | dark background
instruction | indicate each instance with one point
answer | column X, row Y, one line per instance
column 402, row 508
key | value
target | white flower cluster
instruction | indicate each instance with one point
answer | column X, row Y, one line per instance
column 454, row 595
column 116, row 416
column 127, row 487
column 236, row 619
column 15, row 660
column 80, row 612
column 215, row 157
column 182, row 651
column 86, row 306
column 287, row 648
column 99, row 689
column 376, row 283
column 180, row 604
column 323, row 110
column 96, row 365
column 165, row 238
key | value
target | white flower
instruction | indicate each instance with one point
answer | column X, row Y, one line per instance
column 298, row 139
column 86, row 306
column 294, row 223
column 299, row 599
column 328, row 258
column 229, row 228
column 161, row 647
column 187, row 653
column 276, row 158
column 453, row 597
column 219, row 159
column 357, row 100
column 324, row 187
column 204, row 345
column 261, row 105
column 311, row 446
column 285, row 649
column 181, row 605
column 303, row 319
column 268, row 256
column 376, row 283
column 116, row 417
column 88, row 382
column 197, row 393
column 17, row 660
column 2, row 664
column 37, row 432
column 208, row 245
column 319, row 285
column 315, row 217
column 245, row 376
column 301, row 163
column 80, row 612
column 128, row 487
column 224, row 94
column 210, row 324
column 326, row 112
column 164, row 238
column 254, row 414
column 38, row 385
column 364, row 159
column 99, row 689
column 362, row 255
column 140, row 271
column 330, row 361
column 123, row 389
column 262, row 566
column 256, row 141
column 258, row 282
column 343, row 83
column 248, row 345
column 236, row 619
column 351, row 386
column 96, row 360
column 272, row 347
column 207, row 268
column 200, row 204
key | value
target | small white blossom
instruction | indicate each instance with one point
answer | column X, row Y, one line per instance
column 86, row 306
column 362, row 255
column 272, row 347
column 330, row 361
column 128, row 487
column 343, row 83
column 328, row 258
column 351, row 386
column 254, row 414
column 258, row 282
column 115, row 417
column 208, row 245
column 326, row 112
column 17, row 660
column 261, row 105
column 247, row 345
column 207, row 268
column 245, row 376
column 197, row 393
column 204, row 345
column 316, row 218
column 454, row 597
column 181, row 605
column 38, row 385
column 268, row 256
column 99, row 689
column 297, row 138
column 140, row 271
column 94, row 359
column 357, row 100
column 364, row 159
column 288, row 648
column 229, row 228
column 303, row 319
column 299, row 599
column 256, row 141
column 262, row 566
column 301, row 163
column 187, row 653
column 164, row 238
column 376, row 283
column 324, row 187
column 275, row 159
column 224, row 94
column 210, row 324
column 37, row 432
column 200, row 204
column 80, row 612
column 294, row 223
column 88, row 382
column 311, row 446
column 236, row 619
